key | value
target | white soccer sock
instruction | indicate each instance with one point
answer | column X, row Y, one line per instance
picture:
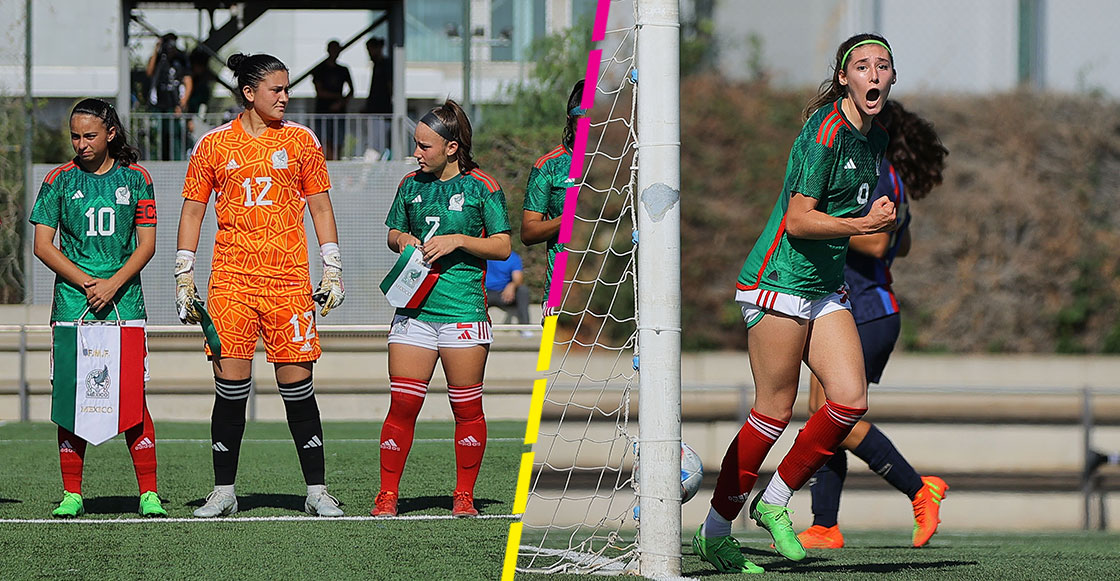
column 226, row 488
column 316, row 489
column 715, row 525
column 777, row 492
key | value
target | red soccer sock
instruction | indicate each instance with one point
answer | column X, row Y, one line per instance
column 739, row 471
column 141, row 440
column 406, row 396
column 816, row 442
column 470, row 434
column 71, row 458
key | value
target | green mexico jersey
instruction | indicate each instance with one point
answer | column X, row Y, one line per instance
column 472, row 204
column 838, row 166
column 96, row 217
column 548, row 184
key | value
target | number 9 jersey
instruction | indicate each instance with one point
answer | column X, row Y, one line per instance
column 261, row 183
column 96, row 217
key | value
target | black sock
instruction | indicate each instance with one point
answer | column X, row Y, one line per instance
column 825, row 487
column 306, row 428
column 227, row 426
column 882, row 457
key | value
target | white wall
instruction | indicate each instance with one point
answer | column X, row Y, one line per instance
column 951, row 46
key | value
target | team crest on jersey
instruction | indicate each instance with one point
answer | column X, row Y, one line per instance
column 123, row 196
column 280, row 159
column 456, row 202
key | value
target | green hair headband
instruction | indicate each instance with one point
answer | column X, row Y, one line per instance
column 844, row 61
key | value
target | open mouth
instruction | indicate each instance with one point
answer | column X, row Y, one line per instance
column 873, row 96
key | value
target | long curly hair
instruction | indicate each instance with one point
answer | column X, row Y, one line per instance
column 915, row 150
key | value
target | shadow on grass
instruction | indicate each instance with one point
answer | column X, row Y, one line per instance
column 10, row 501
column 112, row 504
column 421, row 503
column 246, row 502
column 810, row 565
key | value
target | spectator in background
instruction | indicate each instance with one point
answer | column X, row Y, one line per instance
column 380, row 100
column 202, row 87
column 505, row 286
column 333, row 89
column 170, row 89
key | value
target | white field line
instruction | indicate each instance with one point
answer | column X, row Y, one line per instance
column 245, row 519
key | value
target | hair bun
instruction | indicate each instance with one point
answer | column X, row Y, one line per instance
column 235, row 60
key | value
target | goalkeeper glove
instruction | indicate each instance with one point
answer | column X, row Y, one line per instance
column 330, row 293
column 185, row 291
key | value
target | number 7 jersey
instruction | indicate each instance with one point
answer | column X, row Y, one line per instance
column 261, row 183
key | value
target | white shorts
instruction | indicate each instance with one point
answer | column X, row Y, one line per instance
column 757, row 302
column 435, row 336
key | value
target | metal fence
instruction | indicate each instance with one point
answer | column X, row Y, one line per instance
column 345, row 136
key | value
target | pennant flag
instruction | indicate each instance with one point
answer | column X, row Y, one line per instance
column 209, row 331
column 410, row 280
column 98, row 379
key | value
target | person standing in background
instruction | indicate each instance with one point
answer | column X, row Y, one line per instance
column 333, row 89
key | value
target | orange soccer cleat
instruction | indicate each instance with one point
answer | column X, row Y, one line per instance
column 927, row 507
column 463, row 504
column 385, row 504
column 820, row 537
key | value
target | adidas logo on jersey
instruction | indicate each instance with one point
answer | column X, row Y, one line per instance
column 417, row 199
column 851, row 164
column 232, row 165
column 306, row 347
column 469, row 441
column 144, row 444
column 390, row 445
column 314, row 442
column 280, row 159
column 77, row 195
column 219, row 447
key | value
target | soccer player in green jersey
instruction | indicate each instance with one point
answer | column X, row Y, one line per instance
column 456, row 215
column 549, row 180
column 102, row 207
column 914, row 161
column 791, row 290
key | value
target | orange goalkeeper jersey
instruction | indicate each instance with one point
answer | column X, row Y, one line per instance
column 261, row 183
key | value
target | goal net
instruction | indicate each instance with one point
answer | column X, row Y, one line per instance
column 582, row 513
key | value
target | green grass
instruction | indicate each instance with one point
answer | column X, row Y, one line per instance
column 269, row 484
column 887, row 555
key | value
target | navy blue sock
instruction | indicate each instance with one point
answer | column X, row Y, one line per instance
column 882, row 457
column 825, row 487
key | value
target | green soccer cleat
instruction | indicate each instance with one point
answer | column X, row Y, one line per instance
column 775, row 518
column 70, row 507
column 151, row 505
column 723, row 553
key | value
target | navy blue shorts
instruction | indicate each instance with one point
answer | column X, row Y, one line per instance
column 878, row 337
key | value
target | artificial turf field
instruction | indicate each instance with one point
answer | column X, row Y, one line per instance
column 887, row 555
column 270, row 537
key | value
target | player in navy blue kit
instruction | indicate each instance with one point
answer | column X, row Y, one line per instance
column 914, row 161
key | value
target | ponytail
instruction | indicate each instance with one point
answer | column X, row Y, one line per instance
column 455, row 127
column 119, row 149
